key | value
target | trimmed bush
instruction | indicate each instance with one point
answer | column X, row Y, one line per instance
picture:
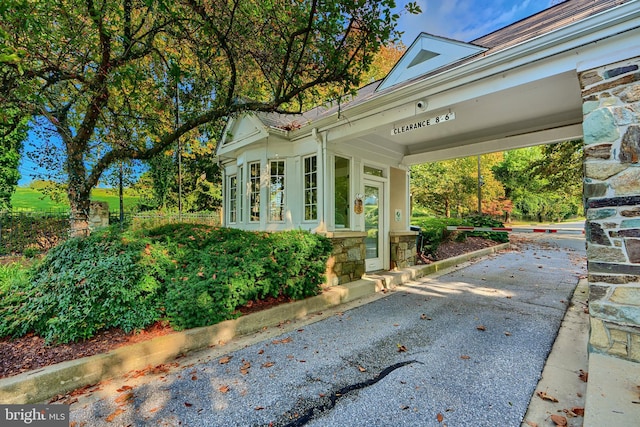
column 83, row 286
column 220, row 269
column 194, row 275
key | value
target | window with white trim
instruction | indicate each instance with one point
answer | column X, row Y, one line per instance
column 276, row 191
column 254, row 191
column 232, row 185
column 311, row 188
column 241, row 194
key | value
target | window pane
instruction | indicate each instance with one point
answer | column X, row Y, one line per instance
column 276, row 191
column 368, row 170
column 341, row 200
column 233, row 197
column 254, row 182
column 310, row 188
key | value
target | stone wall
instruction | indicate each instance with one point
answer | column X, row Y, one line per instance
column 98, row 215
column 346, row 263
column 403, row 249
column 611, row 108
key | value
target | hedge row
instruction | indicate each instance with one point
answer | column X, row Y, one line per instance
column 192, row 275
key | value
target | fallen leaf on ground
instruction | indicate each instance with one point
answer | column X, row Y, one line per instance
column 507, row 333
column 124, row 397
column 244, row 369
column 559, row 420
column 401, row 348
column 259, row 408
column 113, row 415
column 224, row 389
column 361, row 369
column 268, row 364
column 544, row 396
column 439, row 417
column 225, row 360
column 282, row 341
column 579, row 411
column 194, row 377
column 188, row 405
column 124, row 388
column 584, row 376
column 425, row 317
column 465, row 357
column 481, row 328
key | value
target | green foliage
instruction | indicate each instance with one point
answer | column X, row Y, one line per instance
column 117, row 83
column 31, row 232
column 434, row 230
column 13, row 132
column 486, row 221
column 218, row 269
column 195, row 275
column 83, row 286
column 544, row 183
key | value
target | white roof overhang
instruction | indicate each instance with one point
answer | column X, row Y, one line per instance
column 524, row 95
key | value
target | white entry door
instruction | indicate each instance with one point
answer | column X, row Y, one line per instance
column 373, row 225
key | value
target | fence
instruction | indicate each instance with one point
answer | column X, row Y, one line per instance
column 22, row 231
column 39, row 231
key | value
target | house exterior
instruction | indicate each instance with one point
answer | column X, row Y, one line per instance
column 569, row 72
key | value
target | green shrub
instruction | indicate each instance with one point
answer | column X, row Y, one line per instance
column 195, row 275
column 221, row 269
column 434, row 230
column 83, row 286
column 486, row 221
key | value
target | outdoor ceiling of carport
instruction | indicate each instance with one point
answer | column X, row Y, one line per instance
column 538, row 112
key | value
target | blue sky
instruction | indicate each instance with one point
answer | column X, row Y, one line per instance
column 466, row 20
column 462, row 20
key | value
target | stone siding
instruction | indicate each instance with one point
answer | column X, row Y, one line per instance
column 403, row 249
column 611, row 108
column 346, row 262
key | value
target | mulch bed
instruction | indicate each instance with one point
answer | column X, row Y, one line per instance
column 30, row 352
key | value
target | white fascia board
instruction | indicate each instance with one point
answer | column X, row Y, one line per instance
column 609, row 23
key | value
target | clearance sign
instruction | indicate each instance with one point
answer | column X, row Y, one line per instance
column 423, row 124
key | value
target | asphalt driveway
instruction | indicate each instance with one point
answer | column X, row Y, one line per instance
column 462, row 349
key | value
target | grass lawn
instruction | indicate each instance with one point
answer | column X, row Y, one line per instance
column 30, row 199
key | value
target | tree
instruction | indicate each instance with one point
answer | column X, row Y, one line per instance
column 11, row 142
column 99, row 66
column 451, row 185
column 543, row 182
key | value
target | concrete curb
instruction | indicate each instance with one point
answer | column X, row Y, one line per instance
column 42, row 384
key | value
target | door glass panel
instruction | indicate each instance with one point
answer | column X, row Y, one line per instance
column 372, row 220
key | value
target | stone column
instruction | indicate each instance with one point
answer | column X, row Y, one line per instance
column 611, row 108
